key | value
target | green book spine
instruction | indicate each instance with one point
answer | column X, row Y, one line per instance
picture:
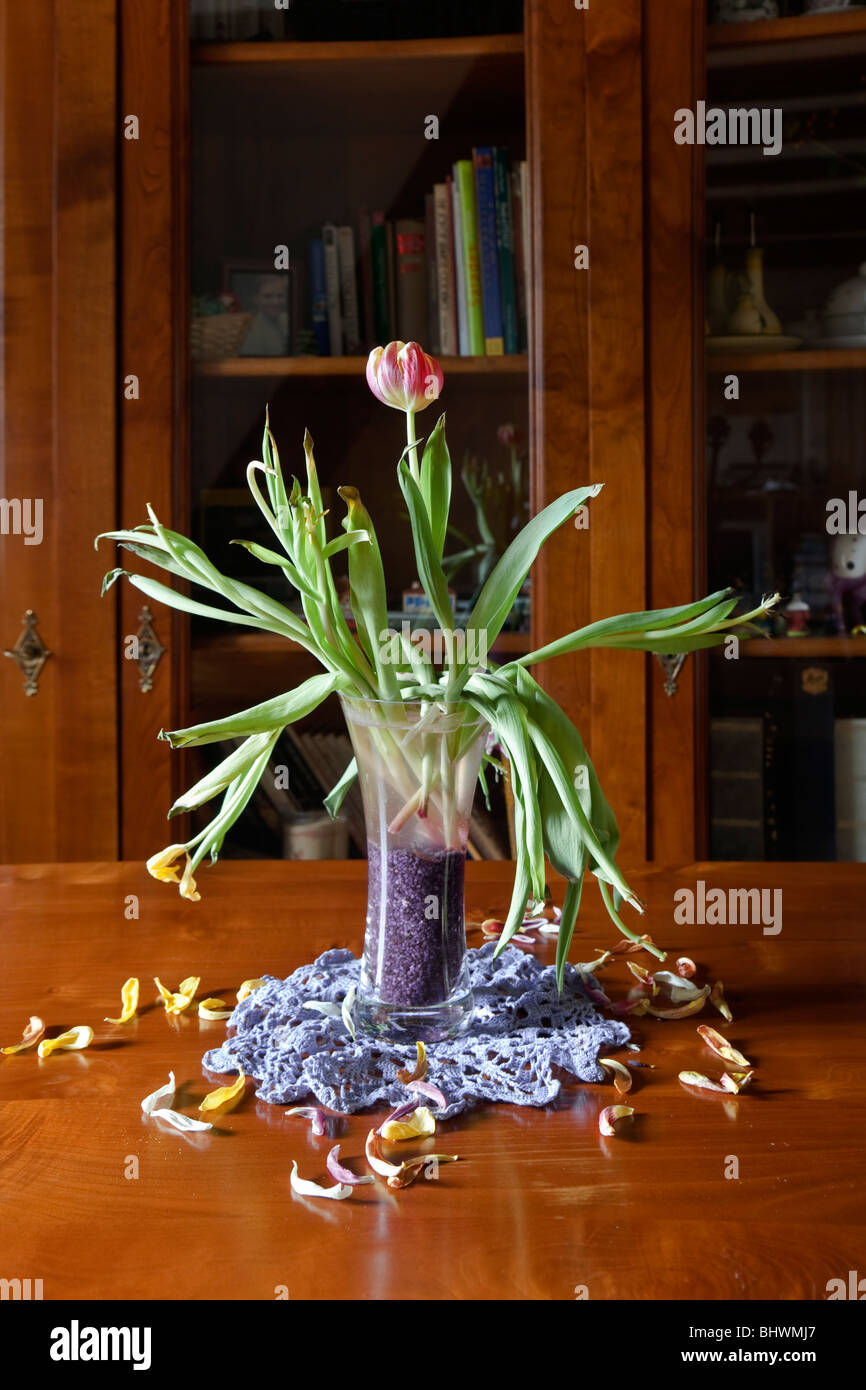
column 471, row 256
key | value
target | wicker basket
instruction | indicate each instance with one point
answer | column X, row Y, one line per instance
column 218, row 335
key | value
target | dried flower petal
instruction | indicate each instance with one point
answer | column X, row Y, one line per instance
column 177, row 1003
column 346, row 1010
column 686, row 967
column 151, row 1102
column 736, row 1081
column 419, row 1126
column 319, row 1006
column 420, row 1071
column 631, row 1006
column 640, row 972
column 214, row 1008
column 128, row 1002
column 73, row 1040
column 625, row 947
column 310, row 1112
column 31, row 1035
column 345, row 1175
column 589, row 967
column 677, row 989
column 184, row 1122
column 622, row 1078
column 224, row 1098
column 373, row 1150
column 426, row 1088
column 697, row 1078
column 491, row 926
column 406, row 1108
column 413, row 1168
column 593, row 992
column 247, row 988
column 722, row 1048
column 338, row 1193
column 717, row 998
column 694, row 1006
column 608, row 1118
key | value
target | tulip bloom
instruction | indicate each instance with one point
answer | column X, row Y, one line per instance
column 404, row 376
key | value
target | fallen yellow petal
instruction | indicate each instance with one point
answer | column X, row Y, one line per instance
column 717, row 997
column 162, row 865
column 247, row 988
column 416, row 1126
column 73, row 1040
column 622, row 1077
column 128, row 1002
column 214, row 1008
column 412, row 1168
column 703, row 1083
column 224, row 1098
column 722, row 1048
column 31, row 1035
column 338, row 1192
column 610, row 1116
column 176, row 1003
column 420, row 1071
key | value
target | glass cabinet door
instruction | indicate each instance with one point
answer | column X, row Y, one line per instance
column 358, row 176
column 785, row 411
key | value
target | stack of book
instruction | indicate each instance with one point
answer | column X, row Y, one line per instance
column 456, row 281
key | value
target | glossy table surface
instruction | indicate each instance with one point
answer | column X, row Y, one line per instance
column 100, row 1202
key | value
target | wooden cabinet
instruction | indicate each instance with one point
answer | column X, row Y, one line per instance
column 238, row 146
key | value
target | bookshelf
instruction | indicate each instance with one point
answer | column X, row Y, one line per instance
column 805, row 648
column 391, row 51
column 777, row 39
column 802, row 360
column 515, row 364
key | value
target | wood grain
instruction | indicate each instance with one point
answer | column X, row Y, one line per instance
column 154, row 428
column 58, row 792
column 538, row 1204
column 674, row 314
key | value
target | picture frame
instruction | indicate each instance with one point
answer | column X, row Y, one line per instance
column 266, row 294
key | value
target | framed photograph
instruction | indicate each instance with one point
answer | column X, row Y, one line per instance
column 265, row 293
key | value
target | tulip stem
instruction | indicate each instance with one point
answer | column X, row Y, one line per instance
column 412, row 439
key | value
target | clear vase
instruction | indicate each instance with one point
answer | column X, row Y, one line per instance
column 417, row 766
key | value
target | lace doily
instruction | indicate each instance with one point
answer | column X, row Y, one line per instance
column 522, row 1029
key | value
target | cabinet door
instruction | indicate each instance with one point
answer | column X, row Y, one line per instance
column 58, row 791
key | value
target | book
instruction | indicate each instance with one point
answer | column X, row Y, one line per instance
column 332, row 286
column 460, row 270
column 527, row 241
column 488, row 254
column 319, row 297
column 446, row 289
column 505, row 248
column 349, row 290
column 365, row 256
column 430, row 275
column 850, row 759
column 390, row 286
column 379, row 256
column 411, row 325
column 737, row 793
column 471, row 256
column 519, row 259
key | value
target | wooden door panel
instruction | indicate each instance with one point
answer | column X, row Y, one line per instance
column 58, row 792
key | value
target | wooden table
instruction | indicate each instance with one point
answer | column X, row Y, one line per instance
column 540, row 1206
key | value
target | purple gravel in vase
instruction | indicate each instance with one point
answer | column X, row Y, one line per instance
column 417, row 958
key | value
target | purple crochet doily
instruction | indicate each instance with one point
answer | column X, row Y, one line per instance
column 522, row 1029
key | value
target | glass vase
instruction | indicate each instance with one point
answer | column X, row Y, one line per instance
column 417, row 766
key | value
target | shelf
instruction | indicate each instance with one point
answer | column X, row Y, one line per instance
column 388, row 50
column 796, row 37
column 804, row 647
column 810, row 360
column 515, row 364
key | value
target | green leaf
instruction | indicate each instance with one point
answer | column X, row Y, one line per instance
column 504, row 582
column 337, row 795
column 436, row 484
column 430, row 571
column 161, row 593
column 270, row 557
column 263, row 718
column 367, row 591
column 623, row 625
column 570, row 910
column 235, row 765
column 344, row 542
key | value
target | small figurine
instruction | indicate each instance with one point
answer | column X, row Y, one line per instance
column 847, row 581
